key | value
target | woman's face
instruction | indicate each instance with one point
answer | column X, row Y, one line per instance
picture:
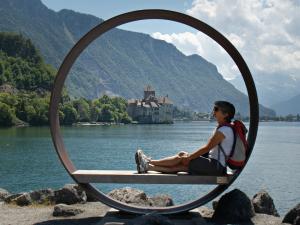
column 219, row 114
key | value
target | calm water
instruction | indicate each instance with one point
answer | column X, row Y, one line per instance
column 28, row 160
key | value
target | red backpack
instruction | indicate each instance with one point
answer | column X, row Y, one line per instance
column 239, row 151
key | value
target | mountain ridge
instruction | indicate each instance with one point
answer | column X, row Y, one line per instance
column 121, row 62
column 289, row 106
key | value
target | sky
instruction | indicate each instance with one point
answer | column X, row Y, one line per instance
column 266, row 32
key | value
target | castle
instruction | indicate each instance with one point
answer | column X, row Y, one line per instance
column 151, row 109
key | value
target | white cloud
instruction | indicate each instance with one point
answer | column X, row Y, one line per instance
column 266, row 32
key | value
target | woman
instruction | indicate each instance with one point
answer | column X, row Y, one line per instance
column 207, row 160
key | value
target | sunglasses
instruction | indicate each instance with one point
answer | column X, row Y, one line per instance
column 216, row 109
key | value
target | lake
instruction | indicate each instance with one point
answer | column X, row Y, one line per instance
column 28, row 160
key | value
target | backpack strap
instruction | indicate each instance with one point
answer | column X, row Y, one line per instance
column 220, row 148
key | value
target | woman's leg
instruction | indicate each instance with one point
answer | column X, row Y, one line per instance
column 168, row 161
column 172, row 169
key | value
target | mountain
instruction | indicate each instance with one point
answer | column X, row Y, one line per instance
column 120, row 62
column 268, row 86
column 290, row 106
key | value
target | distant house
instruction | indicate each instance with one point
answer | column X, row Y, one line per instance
column 151, row 109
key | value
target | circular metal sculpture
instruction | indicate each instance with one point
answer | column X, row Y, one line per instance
column 117, row 21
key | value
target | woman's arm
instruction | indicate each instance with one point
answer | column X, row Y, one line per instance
column 217, row 138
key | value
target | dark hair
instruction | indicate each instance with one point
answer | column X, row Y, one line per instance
column 226, row 107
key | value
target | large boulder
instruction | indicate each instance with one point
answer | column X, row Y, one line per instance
column 3, row 194
column 44, row 196
column 214, row 204
column 233, row 207
column 161, row 200
column 297, row 221
column 66, row 210
column 138, row 197
column 91, row 197
column 23, row 199
column 130, row 196
column 70, row 194
column 263, row 203
column 9, row 198
column 291, row 216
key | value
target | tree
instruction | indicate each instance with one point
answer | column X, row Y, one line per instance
column 8, row 99
column 70, row 114
column 125, row 118
column 105, row 99
column 95, row 113
column 7, row 115
column 83, row 109
column 106, row 114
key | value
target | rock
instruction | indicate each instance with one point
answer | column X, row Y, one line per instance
column 139, row 197
column 23, row 200
column 66, row 210
column 39, row 197
column 3, row 194
column 297, row 221
column 70, row 194
column 150, row 219
column 292, row 215
column 265, row 219
column 44, row 196
column 162, row 200
column 91, row 197
column 130, row 196
column 9, row 198
column 214, row 204
column 233, row 207
column 206, row 212
column 263, row 203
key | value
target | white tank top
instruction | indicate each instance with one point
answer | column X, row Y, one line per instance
column 226, row 144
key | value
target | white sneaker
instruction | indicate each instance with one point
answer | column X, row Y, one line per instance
column 142, row 161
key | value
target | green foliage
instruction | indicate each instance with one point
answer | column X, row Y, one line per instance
column 83, row 109
column 37, row 113
column 15, row 45
column 22, row 66
column 69, row 114
column 110, row 109
column 22, row 69
column 9, row 99
column 7, row 115
column 107, row 113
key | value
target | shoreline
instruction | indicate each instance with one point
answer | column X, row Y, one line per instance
column 135, row 123
column 73, row 205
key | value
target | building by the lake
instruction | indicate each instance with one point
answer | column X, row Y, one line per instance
column 151, row 109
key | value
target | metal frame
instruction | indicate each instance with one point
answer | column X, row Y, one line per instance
column 117, row 21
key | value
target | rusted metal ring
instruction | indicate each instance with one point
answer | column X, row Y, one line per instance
column 117, row 21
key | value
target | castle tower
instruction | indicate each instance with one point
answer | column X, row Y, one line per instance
column 148, row 91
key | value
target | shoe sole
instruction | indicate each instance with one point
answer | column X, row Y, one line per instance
column 137, row 161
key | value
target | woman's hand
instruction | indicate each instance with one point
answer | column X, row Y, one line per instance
column 182, row 153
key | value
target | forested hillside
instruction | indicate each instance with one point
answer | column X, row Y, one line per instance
column 25, row 85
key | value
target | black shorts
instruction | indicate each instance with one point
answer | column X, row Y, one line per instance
column 206, row 166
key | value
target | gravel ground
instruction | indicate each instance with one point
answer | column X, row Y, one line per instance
column 42, row 215
column 96, row 213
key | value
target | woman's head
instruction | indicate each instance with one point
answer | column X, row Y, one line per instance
column 223, row 111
